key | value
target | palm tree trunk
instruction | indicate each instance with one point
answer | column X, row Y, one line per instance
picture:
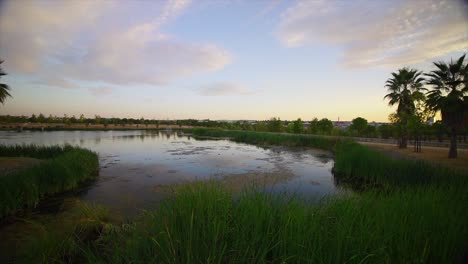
column 453, row 145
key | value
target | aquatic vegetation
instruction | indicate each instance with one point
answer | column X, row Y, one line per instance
column 361, row 166
column 33, row 151
column 265, row 138
column 206, row 223
column 68, row 238
column 63, row 170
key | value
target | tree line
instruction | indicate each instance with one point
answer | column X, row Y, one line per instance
column 359, row 126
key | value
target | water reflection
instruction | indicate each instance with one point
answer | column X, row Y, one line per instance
column 132, row 163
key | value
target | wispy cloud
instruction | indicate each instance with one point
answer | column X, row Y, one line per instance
column 116, row 43
column 379, row 33
column 224, row 89
column 100, row 91
column 267, row 9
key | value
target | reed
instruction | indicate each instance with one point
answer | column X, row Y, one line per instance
column 64, row 169
column 33, row 151
column 267, row 138
column 205, row 223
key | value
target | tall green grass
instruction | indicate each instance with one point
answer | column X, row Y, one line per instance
column 265, row 138
column 64, row 171
column 205, row 224
column 33, row 151
column 366, row 168
column 355, row 164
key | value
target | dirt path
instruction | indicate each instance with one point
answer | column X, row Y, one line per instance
column 431, row 154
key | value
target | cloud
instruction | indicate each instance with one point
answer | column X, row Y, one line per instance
column 114, row 43
column 224, row 89
column 384, row 33
column 100, row 91
column 266, row 10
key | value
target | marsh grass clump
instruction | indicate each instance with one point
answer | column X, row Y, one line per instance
column 206, row 223
column 267, row 138
column 360, row 166
column 33, row 151
column 71, row 237
column 64, row 168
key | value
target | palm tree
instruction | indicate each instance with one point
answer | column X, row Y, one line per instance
column 404, row 88
column 3, row 87
column 449, row 96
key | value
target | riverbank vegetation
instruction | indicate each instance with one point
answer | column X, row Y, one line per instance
column 63, row 168
column 404, row 212
column 205, row 223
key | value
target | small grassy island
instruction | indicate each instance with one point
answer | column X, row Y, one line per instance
column 55, row 169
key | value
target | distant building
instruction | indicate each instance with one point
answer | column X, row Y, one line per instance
column 341, row 124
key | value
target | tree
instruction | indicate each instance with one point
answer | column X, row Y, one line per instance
column 359, row 125
column 385, row 131
column 97, row 119
column 4, row 89
column 33, row 118
column 297, row 126
column 404, row 88
column 73, row 119
column 41, row 118
column 82, row 119
column 325, row 126
column 313, row 126
column 370, row 131
column 275, row 125
column 449, row 95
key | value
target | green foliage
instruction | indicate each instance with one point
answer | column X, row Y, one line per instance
column 205, row 223
column 63, row 170
column 4, row 89
column 33, row 151
column 449, row 95
column 358, row 126
column 322, row 127
column 268, row 138
column 275, row 125
column 71, row 238
column 298, row 126
column 405, row 87
column 385, row 131
column 364, row 167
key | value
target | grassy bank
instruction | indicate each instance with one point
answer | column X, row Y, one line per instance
column 204, row 224
column 355, row 164
column 63, row 169
column 364, row 167
column 265, row 138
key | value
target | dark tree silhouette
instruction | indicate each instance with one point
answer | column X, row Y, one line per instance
column 4, row 89
column 449, row 95
column 404, row 88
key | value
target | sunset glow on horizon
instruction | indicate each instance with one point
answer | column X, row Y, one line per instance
column 221, row 60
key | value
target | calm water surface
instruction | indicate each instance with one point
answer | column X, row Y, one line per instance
column 135, row 164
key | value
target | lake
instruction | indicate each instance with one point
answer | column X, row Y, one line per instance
column 138, row 167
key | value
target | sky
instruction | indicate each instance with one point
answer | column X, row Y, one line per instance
column 222, row 60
